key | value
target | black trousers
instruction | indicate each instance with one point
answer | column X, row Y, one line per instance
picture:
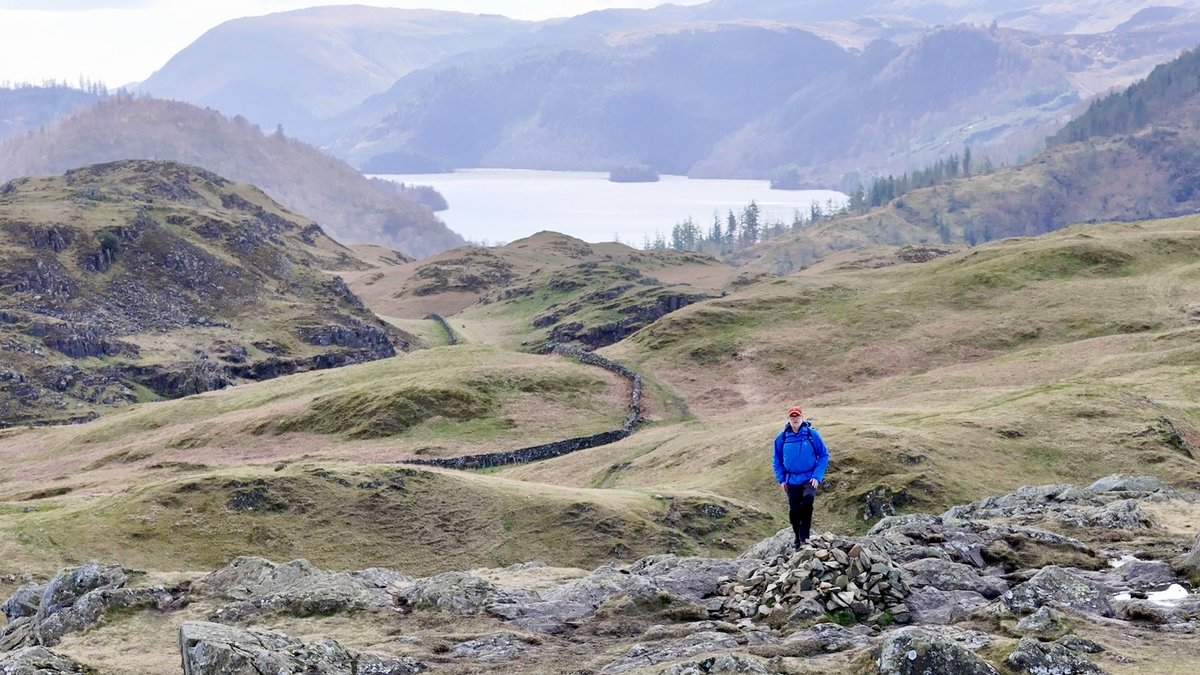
column 800, row 509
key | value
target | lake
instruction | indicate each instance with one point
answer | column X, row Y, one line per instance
column 494, row 206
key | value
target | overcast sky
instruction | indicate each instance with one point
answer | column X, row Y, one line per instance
column 119, row 42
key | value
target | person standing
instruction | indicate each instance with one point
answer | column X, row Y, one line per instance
column 800, row 463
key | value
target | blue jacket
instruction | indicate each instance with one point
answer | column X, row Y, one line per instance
column 800, row 455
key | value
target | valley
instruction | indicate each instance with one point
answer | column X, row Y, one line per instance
column 260, row 413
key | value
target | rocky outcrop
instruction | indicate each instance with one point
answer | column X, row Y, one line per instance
column 1191, row 562
column 652, row 581
column 1037, row 658
column 1057, row 587
column 214, row 649
column 39, row 661
column 73, row 601
column 297, row 588
column 671, row 614
column 644, row 655
column 916, row 651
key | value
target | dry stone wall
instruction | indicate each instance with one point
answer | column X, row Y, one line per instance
column 557, row 448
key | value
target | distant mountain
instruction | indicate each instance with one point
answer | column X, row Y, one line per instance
column 753, row 98
column 659, row 97
column 293, row 68
column 28, row 108
column 1134, row 155
column 298, row 176
column 133, row 280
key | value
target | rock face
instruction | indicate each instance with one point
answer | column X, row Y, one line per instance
column 214, row 649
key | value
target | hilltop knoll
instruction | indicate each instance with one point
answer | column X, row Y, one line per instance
column 136, row 280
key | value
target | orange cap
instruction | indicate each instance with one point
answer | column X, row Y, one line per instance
column 794, row 412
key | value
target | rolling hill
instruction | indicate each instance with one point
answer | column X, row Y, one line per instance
column 1130, row 156
column 545, row 288
column 300, row 177
column 140, row 280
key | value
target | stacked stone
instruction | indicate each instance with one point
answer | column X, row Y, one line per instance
column 839, row 575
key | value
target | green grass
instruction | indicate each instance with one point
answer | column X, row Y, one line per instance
column 350, row 517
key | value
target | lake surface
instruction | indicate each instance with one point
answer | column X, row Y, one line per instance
column 496, row 206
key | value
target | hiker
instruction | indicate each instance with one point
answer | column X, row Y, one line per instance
column 800, row 463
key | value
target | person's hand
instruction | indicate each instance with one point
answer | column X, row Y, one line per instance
column 814, row 482
column 783, row 486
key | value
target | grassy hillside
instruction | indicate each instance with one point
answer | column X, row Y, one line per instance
column 548, row 287
column 1133, row 155
column 305, row 466
column 131, row 281
column 298, row 176
column 1025, row 361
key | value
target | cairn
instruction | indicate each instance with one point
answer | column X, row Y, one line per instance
column 840, row 576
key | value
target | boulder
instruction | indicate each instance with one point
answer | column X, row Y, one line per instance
column 691, row 579
column 38, row 661
column 1189, row 607
column 779, row 544
column 652, row 579
column 316, row 595
column 722, row 663
column 916, row 651
column 74, row 600
column 247, row 577
column 1145, row 575
column 24, row 602
column 1042, row 658
column 455, row 592
column 1078, row 644
column 1044, row 624
column 215, row 649
column 827, row 638
column 492, row 648
column 1122, row 483
column 1125, row 514
column 1150, row 612
column 929, row 605
column 1057, row 587
column 1191, row 562
column 644, row 655
column 950, row 576
column 70, row 585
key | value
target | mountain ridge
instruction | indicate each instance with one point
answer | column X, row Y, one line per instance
column 298, row 175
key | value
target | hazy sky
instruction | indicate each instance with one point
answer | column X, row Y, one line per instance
column 123, row 41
